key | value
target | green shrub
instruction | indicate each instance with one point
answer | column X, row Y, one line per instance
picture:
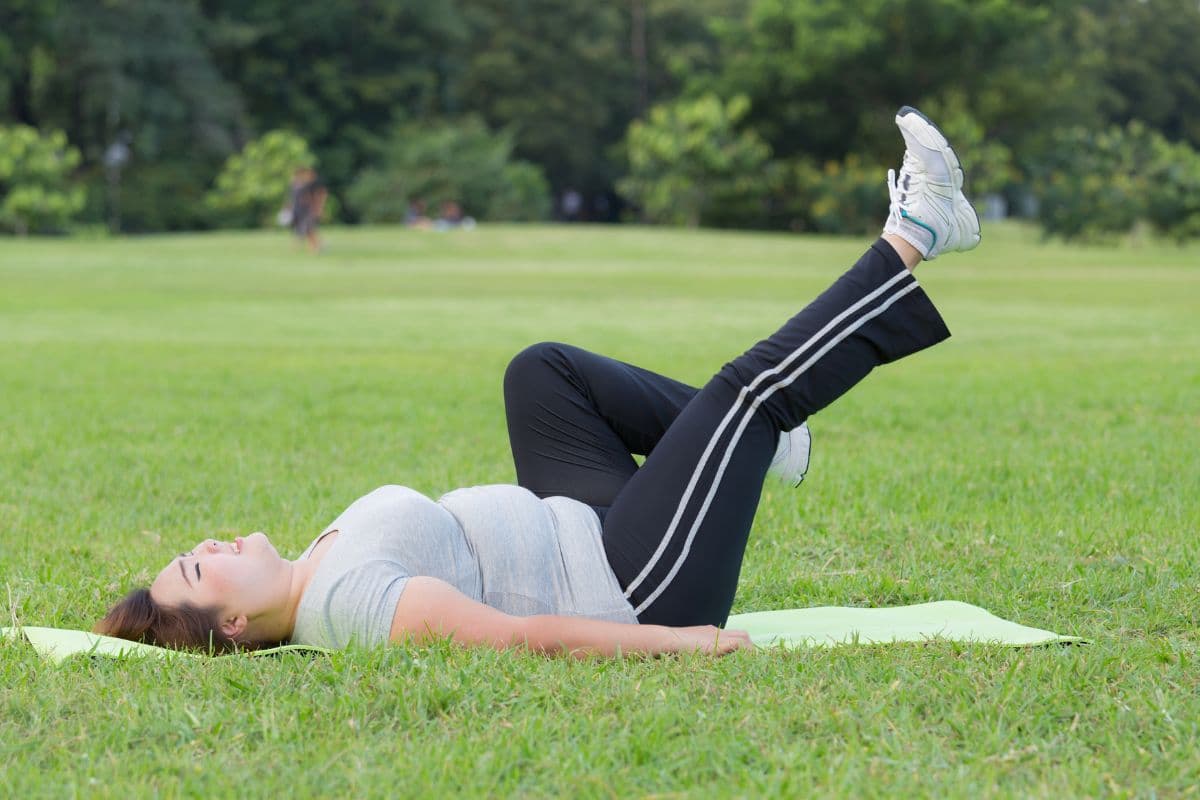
column 163, row 195
column 36, row 194
column 1103, row 183
column 988, row 162
column 689, row 161
column 1173, row 206
column 841, row 197
column 850, row 196
column 253, row 184
column 461, row 162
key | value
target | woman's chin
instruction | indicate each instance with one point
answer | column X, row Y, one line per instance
column 259, row 541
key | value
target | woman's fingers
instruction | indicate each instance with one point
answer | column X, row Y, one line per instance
column 730, row 640
column 713, row 640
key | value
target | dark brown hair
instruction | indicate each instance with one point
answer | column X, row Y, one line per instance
column 185, row 627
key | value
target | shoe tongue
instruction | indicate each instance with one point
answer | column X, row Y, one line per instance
column 911, row 164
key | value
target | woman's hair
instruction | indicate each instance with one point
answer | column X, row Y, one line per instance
column 185, row 627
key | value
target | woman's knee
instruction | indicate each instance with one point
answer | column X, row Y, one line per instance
column 534, row 360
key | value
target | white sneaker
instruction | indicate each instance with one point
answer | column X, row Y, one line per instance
column 790, row 463
column 929, row 209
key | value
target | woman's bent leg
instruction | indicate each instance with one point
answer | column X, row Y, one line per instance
column 575, row 418
column 676, row 533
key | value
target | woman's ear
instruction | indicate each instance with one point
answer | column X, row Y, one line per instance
column 234, row 627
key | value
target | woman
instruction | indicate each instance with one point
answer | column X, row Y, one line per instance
column 590, row 553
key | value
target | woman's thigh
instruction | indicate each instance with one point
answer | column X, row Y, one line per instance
column 576, row 419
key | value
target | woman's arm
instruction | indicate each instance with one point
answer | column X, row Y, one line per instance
column 430, row 608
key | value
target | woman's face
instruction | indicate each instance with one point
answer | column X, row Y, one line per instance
column 242, row 577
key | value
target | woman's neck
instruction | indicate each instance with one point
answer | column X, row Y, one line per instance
column 278, row 624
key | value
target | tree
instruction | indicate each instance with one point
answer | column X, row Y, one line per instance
column 989, row 161
column 253, row 184
column 338, row 74
column 1150, row 68
column 458, row 161
column 688, row 155
column 26, row 51
column 557, row 75
column 824, row 81
column 36, row 195
column 137, row 74
column 680, row 41
column 1107, row 182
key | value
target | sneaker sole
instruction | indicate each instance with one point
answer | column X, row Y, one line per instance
column 939, row 142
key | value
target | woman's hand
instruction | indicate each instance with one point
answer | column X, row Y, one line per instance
column 708, row 639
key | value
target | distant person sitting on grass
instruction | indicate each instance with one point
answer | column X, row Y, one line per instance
column 452, row 216
column 590, row 553
column 415, row 216
column 306, row 203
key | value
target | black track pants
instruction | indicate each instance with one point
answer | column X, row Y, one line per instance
column 675, row 529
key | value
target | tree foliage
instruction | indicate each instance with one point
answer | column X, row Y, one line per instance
column 1150, row 69
column 36, row 192
column 688, row 154
column 339, row 74
column 824, row 78
column 460, row 162
column 843, row 197
column 1106, row 183
column 253, row 184
column 186, row 83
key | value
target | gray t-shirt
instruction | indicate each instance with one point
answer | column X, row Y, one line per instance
column 499, row 545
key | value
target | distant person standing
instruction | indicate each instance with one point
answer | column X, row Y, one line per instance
column 572, row 205
column 306, row 199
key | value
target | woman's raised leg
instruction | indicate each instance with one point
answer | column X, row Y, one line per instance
column 676, row 533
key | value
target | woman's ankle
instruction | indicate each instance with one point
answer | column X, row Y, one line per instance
column 910, row 255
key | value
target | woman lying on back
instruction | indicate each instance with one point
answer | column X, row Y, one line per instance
column 590, row 553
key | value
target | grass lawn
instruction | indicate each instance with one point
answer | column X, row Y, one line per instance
column 1044, row 463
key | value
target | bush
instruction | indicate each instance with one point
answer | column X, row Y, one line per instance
column 450, row 162
column 1173, row 206
column 688, row 162
column 165, row 195
column 36, row 195
column 850, row 196
column 1098, row 184
column 988, row 163
column 839, row 197
column 253, row 184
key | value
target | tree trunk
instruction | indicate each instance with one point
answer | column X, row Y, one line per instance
column 20, row 97
column 637, row 45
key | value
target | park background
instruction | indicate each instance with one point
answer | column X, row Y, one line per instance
column 172, row 368
column 157, row 115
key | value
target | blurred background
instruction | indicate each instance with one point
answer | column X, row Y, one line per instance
column 162, row 115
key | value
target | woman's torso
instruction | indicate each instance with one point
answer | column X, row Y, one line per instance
column 499, row 545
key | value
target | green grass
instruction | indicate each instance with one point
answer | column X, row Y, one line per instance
column 1044, row 463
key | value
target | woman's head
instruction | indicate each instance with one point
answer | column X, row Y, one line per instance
column 138, row 618
column 216, row 595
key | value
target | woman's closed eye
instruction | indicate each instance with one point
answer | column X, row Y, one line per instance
column 196, row 564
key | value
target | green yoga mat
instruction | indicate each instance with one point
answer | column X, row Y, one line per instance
column 945, row 620
column 57, row 644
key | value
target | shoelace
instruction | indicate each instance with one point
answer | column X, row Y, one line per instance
column 909, row 182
